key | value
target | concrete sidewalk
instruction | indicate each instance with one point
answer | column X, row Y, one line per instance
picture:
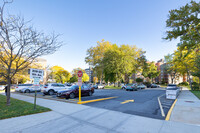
column 74, row 118
column 187, row 108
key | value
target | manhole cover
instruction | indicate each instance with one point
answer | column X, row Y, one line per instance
column 190, row 101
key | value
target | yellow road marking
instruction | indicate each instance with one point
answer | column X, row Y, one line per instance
column 127, row 101
column 170, row 111
column 95, row 100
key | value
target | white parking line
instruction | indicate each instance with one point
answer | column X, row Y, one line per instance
column 161, row 108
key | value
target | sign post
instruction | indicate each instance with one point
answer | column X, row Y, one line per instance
column 80, row 74
column 36, row 75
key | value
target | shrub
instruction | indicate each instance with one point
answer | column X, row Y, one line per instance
column 184, row 83
column 139, row 80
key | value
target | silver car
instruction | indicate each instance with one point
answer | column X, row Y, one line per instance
column 31, row 89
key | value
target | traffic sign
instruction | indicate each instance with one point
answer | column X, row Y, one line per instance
column 79, row 81
column 80, row 73
column 36, row 73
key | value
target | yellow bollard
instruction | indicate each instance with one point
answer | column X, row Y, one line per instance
column 79, row 94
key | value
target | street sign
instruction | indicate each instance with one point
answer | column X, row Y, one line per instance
column 36, row 73
column 36, row 81
column 80, row 73
column 79, row 81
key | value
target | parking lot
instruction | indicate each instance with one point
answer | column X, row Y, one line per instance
column 142, row 102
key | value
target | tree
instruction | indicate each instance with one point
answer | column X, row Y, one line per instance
column 73, row 79
column 139, row 80
column 95, row 57
column 95, row 80
column 85, row 77
column 150, row 71
column 112, row 64
column 170, row 68
column 180, row 20
column 60, row 74
column 20, row 45
column 197, row 67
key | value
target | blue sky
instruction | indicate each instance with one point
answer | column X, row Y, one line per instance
column 84, row 22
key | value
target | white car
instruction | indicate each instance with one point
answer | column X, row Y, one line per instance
column 2, row 87
column 31, row 89
column 141, row 86
column 171, row 86
column 52, row 88
column 101, row 86
column 19, row 87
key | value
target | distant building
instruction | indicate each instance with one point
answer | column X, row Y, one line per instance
column 89, row 72
column 164, row 77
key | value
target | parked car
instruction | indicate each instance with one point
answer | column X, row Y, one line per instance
column 31, row 89
column 68, row 84
column 101, row 86
column 131, row 87
column 19, row 87
column 51, row 88
column 2, row 87
column 141, row 86
column 123, row 87
column 171, row 86
column 73, row 91
column 95, row 86
column 155, row 86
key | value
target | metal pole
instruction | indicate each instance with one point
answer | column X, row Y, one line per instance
column 79, row 93
column 35, row 99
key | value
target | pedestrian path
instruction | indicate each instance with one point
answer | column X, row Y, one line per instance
column 74, row 118
column 187, row 108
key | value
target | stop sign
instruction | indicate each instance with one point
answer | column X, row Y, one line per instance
column 80, row 74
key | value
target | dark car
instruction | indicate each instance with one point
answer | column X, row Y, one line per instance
column 95, row 86
column 73, row 91
column 155, row 86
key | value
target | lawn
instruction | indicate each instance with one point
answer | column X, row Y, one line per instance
column 112, row 87
column 196, row 93
column 18, row 108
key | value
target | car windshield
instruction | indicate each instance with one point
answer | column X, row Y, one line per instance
column 72, row 87
column 172, row 85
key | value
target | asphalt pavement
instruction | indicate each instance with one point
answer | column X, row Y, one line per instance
column 145, row 102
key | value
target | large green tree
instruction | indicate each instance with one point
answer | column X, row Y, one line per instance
column 150, row 71
column 60, row 74
column 184, row 23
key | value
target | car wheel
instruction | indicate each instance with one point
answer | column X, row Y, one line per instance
column 126, row 89
column 51, row 92
column 27, row 91
column 72, row 95
column 123, row 87
column 90, row 93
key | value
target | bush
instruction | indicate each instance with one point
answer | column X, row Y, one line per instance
column 184, row 83
column 139, row 80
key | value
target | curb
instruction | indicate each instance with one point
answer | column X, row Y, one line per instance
column 170, row 111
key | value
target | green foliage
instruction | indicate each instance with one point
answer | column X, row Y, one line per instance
column 183, row 84
column 139, row 80
column 73, row 79
column 196, row 93
column 85, row 77
column 183, row 23
column 113, row 62
column 60, row 74
column 18, row 108
column 150, row 70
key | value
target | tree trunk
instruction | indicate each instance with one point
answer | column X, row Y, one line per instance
column 199, row 83
column 8, row 90
column 188, row 74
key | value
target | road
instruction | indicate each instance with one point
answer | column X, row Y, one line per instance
column 145, row 101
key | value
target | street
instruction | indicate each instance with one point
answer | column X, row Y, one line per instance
column 142, row 102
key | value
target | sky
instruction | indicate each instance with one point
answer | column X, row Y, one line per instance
column 82, row 23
